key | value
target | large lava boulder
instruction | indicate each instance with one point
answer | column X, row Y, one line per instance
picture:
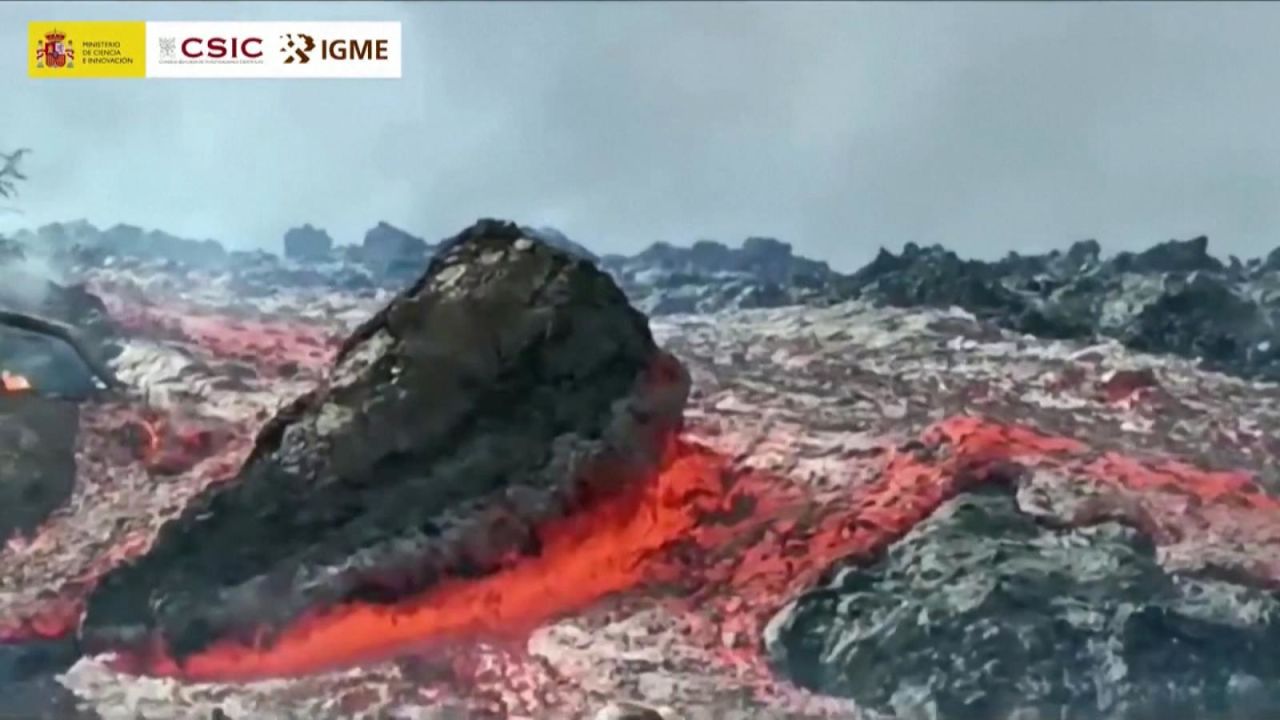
column 510, row 385
column 37, row 459
column 980, row 613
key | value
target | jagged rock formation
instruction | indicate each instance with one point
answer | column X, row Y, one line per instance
column 980, row 612
column 709, row 276
column 1172, row 298
column 557, row 239
column 37, row 459
column 391, row 253
column 307, row 244
column 82, row 239
column 506, row 386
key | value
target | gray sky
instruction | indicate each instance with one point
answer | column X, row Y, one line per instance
column 837, row 127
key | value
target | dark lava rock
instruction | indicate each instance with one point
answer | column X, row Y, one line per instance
column 1173, row 298
column 937, row 277
column 33, row 659
column 308, row 244
column 979, row 613
column 1172, row 256
column 1200, row 316
column 83, row 240
column 710, row 276
column 37, row 459
column 557, row 239
column 510, row 385
column 392, row 253
column 41, row 698
column 1272, row 261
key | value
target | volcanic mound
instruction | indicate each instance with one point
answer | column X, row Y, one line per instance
column 509, row 386
column 983, row 612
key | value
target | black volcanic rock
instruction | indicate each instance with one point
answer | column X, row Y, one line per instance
column 509, row 385
column 557, row 239
column 392, row 253
column 155, row 244
column 1272, row 261
column 1173, row 298
column 1172, row 256
column 979, row 612
column 710, row 276
column 81, row 238
column 307, row 244
column 37, row 459
column 1199, row 316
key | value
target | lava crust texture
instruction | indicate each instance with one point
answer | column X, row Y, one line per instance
column 981, row 613
column 510, row 385
column 37, row 459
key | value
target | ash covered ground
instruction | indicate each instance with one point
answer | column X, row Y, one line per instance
column 415, row 480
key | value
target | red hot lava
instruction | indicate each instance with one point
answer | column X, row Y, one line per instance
column 583, row 558
column 169, row 445
column 742, row 543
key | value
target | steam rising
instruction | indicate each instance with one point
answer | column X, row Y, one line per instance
column 837, row 127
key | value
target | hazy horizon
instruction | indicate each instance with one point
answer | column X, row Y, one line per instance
column 837, row 127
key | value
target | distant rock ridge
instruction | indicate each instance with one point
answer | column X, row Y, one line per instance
column 1174, row 297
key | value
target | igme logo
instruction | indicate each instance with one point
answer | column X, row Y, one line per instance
column 290, row 49
column 299, row 46
column 298, row 50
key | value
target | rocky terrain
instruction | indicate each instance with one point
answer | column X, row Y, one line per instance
column 1175, row 297
column 437, row 447
column 1038, row 488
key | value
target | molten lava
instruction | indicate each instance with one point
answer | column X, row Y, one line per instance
column 169, row 445
column 583, row 557
column 12, row 382
column 721, row 547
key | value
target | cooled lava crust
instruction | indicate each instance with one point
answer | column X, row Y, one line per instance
column 509, row 386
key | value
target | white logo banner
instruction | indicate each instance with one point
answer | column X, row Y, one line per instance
column 273, row 49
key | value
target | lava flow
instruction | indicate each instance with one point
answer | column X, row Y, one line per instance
column 168, row 445
column 584, row 557
column 741, row 543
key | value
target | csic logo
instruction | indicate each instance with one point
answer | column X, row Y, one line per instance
column 221, row 48
column 298, row 50
column 287, row 49
column 55, row 51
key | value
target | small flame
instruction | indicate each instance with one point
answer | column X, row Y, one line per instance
column 152, row 441
column 13, row 382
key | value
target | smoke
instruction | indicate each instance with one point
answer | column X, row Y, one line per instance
column 25, row 283
column 835, row 126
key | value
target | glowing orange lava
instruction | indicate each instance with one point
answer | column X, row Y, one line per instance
column 12, row 382
column 152, row 445
column 738, row 543
column 584, row 557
